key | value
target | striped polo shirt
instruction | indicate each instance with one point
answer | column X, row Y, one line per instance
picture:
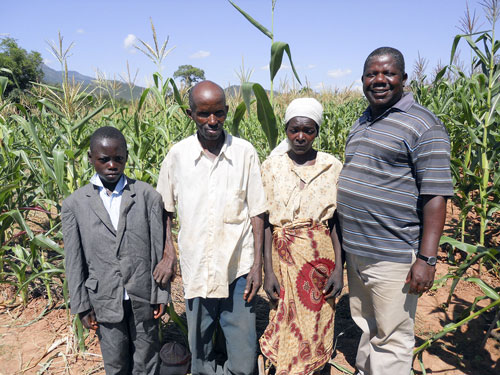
column 390, row 162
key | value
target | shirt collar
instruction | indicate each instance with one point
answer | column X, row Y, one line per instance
column 122, row 182
column 402, row 105
column 198, row 150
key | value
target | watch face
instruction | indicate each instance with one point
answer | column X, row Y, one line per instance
column 432, row 261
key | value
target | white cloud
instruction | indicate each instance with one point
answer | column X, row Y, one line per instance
column 80, row 31
column 129, row 41
column 200, row 54
column 311, row 66
column 283, row 66
column 337, row 73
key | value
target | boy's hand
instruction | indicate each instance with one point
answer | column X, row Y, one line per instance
column 159, row 310
column 88, row 319
column 165, row 270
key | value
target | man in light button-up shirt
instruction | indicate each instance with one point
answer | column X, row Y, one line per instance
column 214, row 181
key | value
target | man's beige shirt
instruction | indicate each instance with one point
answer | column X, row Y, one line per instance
column 214, row 200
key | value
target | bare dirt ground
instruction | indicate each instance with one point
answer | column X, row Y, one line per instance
column 34, row 342
column 30, row 344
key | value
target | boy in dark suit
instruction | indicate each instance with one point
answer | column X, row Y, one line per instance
column 113, row 239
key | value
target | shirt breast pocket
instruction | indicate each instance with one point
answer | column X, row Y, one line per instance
column 234, row 209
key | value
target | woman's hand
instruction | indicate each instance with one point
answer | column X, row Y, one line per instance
column 334, row 284
column 272, row 286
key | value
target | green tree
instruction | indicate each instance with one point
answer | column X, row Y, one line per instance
column 19, row 66
column 189, row 74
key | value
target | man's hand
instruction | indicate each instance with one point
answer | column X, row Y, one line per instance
column 159, row 310
column 254, row 281
column 420, row 277
column 272, row 286
column 88, row 319
column 165, row 270
column 334, row 284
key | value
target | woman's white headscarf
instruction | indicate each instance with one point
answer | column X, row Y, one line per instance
column 303, row 107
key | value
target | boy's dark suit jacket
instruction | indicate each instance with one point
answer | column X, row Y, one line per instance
column 100, row 261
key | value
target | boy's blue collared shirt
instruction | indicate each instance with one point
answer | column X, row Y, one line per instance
column 111, row 202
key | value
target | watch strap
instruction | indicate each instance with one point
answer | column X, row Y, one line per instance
column 431, row 261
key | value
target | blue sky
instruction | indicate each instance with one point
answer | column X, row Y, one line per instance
column 329, row 40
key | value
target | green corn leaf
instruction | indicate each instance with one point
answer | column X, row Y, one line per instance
column 59, row 170
column 239, row 112
column 11, row 74
column 142, row 99
column 47, row 103
column 9, row 187
column 83, row 147
column 277, row 49
column 3, row 85
column 468, row 248
column 476, row 49
column 176, row 319
column 339, row 367
column 30, row 128
column 440, row 75
column 157, row 79
column 47, row 243
column 454, row 46
column 496, row 46
column 158, row 96
column 177, row 95
column 16, row 215
column 253, row 21
column 488, row 290
column 265, row 115
column 246, row 92
column 86, row 119
column 493, row 109
column 39, row 275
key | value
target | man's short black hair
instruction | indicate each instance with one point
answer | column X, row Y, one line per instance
column 107, row 132
column 382, row 51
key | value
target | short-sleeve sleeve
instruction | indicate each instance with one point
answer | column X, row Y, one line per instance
column 431, row 158
column 274, row 207
column 267, row 182
column 256, row 197
column 166, row 184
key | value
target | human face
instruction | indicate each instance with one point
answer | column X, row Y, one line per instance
column 301, row 132
column 383, row 83
column 209, row 113
column 109, row 157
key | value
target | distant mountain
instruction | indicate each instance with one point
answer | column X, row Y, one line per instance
column 55, row 77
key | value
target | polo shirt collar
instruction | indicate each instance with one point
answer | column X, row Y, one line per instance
column 403, row 105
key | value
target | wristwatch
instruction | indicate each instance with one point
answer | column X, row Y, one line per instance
column 431, row 261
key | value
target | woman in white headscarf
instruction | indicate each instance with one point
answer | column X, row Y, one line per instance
column 302, row 252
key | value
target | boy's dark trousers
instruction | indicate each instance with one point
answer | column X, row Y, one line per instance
column 130, row 347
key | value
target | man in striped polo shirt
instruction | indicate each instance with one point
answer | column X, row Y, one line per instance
column 392, row 206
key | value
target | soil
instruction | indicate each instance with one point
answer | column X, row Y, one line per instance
column 38, row 339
